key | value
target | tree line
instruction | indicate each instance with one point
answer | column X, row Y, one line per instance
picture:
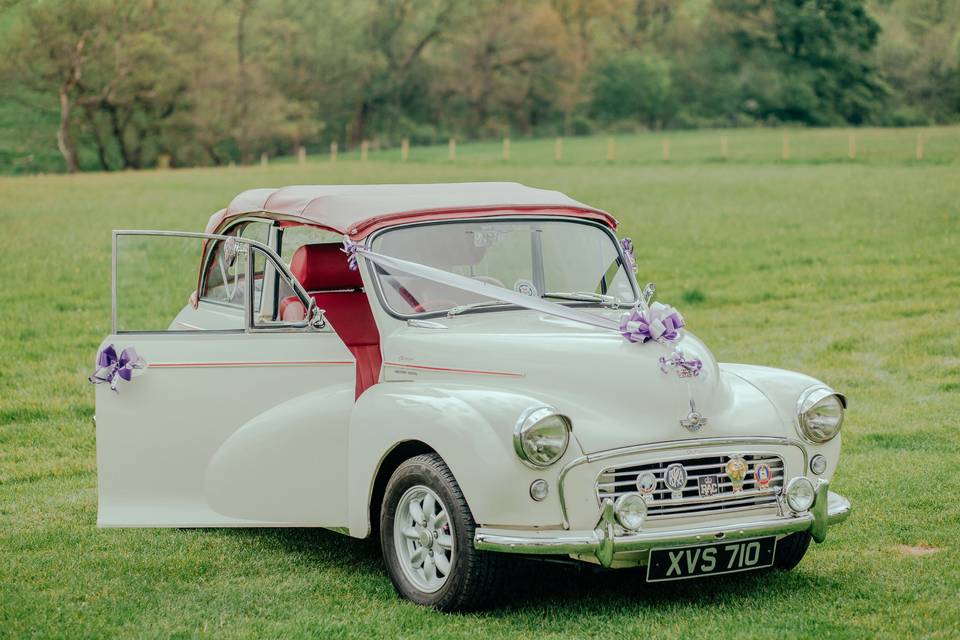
column 116, row 84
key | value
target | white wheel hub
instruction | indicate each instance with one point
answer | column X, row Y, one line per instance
column 423, row 537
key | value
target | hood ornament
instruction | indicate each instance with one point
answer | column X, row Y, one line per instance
column 694, row 420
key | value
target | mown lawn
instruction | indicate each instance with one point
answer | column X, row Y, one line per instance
column 847, row 270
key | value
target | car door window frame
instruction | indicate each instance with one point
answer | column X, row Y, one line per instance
column 280, row 269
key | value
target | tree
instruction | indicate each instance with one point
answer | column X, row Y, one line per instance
column 803, row 60
column 636, row 85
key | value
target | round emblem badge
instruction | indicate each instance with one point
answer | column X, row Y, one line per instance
column 761, row 473
column 646, row 483
column 675, row 477
column 525, row 287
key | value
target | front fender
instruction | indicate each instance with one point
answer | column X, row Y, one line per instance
column 471, row 429
column 783, row 388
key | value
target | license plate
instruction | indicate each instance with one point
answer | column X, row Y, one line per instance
column 681, row 563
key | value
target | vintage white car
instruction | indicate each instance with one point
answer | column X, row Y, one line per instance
column 464, row 371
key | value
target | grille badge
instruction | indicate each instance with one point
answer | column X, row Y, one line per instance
column 736, row 470
column 675, row 477
column 761, row 473
column 646, row 482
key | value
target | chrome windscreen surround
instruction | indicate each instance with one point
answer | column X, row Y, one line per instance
column 627, row 453
column 663, row 503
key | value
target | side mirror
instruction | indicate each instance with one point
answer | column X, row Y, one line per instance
column 315, row 317
column 649, row 291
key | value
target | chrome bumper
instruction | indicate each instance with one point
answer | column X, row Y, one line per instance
column 828, row 509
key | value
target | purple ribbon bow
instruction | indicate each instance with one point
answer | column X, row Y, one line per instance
column 631, row 261
column 662, row 323
column 350, row 248
column 685, row 368
column 110, row 367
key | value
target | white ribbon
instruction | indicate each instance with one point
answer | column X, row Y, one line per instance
column 488, row 290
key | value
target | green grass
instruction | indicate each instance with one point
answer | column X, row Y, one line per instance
column 848, row 271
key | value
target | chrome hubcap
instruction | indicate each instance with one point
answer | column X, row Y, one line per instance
column 423, row 538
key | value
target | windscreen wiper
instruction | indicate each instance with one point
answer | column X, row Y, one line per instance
column 585, row 296
column 477, row 305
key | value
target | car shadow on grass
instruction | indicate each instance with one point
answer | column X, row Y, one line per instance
column 536, row 584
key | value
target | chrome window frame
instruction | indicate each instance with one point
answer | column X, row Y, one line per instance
column 381, row 298
column 249, row 327
column 208, row 256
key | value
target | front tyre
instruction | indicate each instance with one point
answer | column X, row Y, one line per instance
column 426, row 535
column 790, row 550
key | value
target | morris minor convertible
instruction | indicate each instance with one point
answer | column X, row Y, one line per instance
column 463, row 372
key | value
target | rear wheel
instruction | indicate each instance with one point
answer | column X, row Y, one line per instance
column 790, row 550
column 426, row 535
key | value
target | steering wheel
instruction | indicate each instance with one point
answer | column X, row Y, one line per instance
column 489, row 280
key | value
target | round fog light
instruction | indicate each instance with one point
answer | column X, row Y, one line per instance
column 800, row 494
column 539, row 489
column 818, row 464
column 631, row 511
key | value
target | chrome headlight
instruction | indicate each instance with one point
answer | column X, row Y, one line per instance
column 800, row 494
column 541, row 436
column 631, row 511
column 820, row 414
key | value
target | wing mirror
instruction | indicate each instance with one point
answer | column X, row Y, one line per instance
column 649, row 291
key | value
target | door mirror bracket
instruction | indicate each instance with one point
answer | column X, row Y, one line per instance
column 316, row 319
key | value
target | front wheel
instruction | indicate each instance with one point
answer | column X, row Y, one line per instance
column 426, row 534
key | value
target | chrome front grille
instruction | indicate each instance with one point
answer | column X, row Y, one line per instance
column 662, row 502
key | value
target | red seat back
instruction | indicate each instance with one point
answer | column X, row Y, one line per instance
column 323, row 271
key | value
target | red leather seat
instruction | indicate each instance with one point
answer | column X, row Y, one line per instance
column 323, row 271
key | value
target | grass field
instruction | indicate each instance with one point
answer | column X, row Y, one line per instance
column 848, row 271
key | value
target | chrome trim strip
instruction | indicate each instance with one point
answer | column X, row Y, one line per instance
column 667, row 446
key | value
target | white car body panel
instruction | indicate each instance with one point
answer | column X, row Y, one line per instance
column 223, row 429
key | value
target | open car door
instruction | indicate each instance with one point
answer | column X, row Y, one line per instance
column 220, row 414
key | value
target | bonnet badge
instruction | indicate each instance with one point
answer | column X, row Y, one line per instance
column 694, row 420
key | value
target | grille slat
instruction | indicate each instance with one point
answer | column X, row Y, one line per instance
column 616, row 481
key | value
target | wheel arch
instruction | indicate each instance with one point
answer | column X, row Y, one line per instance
column 392, row 459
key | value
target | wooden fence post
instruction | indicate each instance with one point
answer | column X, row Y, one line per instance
column 666, row 150
column 452, row 149
column 558, row 149
column 852, row 145
column 301, row 155
column 723, row 147
column 506, row 148
column 333, row 152
column 364, row 148
column 785, row 150
column 404, row 149
column 611, row 150
column 920, row 145
column 263, row 159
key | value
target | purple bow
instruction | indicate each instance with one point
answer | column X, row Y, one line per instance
column 685, row 368
column 662, row 323
column 631, row 262
column 110, row 367
column 350, row 248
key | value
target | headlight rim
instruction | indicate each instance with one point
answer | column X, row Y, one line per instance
column 529, row 419
column 618, row 510
column 809, row 398
column 796, row 481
